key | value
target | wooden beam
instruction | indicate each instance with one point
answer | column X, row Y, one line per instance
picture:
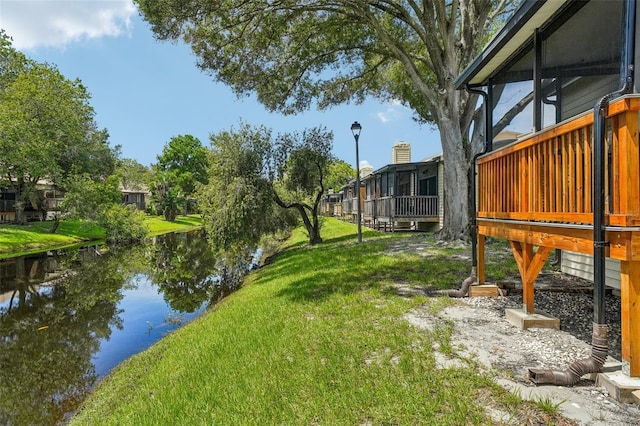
column 624, row 244
column 523, row 253
column 565, row 238
column 529, row 264
column 630, row 314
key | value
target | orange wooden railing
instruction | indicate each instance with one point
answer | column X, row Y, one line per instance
column 548, row 176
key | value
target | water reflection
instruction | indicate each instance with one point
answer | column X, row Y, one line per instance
column 67, row 318
column 181, row 272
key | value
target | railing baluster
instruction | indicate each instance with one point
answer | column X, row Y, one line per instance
column 579, row 160
column 549, row 175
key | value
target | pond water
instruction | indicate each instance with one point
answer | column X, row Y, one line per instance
column 68, row 317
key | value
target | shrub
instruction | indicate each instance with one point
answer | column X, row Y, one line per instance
column 124, row 224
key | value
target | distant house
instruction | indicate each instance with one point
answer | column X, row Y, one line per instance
column 331, row 204
column 401, row 195
column 405, row 195
column 137, row 197
column 43, row 205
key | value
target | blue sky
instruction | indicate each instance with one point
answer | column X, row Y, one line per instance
column 145, row 91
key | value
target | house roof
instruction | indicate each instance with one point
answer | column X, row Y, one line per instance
column 511, row 39
column 405, row 166
column 402, row 166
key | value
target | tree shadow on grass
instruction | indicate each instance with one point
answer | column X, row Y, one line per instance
column 317, row 272
column 185, row 220
column 324, row 271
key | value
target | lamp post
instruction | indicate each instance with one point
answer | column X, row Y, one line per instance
column 355, row 129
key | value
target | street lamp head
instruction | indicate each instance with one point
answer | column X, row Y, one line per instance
column 355, row 129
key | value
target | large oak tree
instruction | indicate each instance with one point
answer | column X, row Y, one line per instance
column 47, row 128
column 298, row 54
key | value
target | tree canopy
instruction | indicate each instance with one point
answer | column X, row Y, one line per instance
column 256, row 180
column 296, row 54
column 339, row 174
column 181, row 166
column 47, row 127
column 133, row 175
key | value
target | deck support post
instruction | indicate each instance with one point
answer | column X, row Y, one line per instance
column 630, row 312
column 529, row 265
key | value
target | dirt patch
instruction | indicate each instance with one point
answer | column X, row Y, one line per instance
column 481, row 333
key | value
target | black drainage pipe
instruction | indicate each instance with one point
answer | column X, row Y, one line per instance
column 473, row 229
column 599, row 348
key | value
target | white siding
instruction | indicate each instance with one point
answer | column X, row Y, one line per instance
column 581, row 265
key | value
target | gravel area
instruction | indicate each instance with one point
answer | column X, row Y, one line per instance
column 506, row 352
column 482, row 333
column 571, row 300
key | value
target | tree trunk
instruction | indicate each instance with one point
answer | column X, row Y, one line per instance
column 456, row 183
column 313, row 231
column 314, row 236
column 20, row 218
column 56, row 223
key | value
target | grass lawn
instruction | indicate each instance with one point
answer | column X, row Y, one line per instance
column 18, row 240
column 157, row 225
column 315, row 338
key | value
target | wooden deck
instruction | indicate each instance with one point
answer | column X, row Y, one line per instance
column 538, row 193
column 406, row 208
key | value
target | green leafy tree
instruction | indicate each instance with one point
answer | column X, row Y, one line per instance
column 12, row 62
column 237, row 202
column 99, row 202
column 166, row 194
column 302, row 162
column 87, row 198
column 133, row 175
column 294, row 54
column 47, row 129
column 339, row 174
column 256, row 181
column 182, row 165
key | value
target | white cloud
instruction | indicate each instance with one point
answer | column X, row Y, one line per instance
column 395, row 111
column 384, row 116
column 56, row 23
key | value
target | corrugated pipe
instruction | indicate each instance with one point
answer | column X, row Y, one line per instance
column 464, row 289
column 599, row 348
column 593, row 364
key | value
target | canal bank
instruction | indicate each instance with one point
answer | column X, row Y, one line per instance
column 67, row 317
column 17, row 240
column 320, row 336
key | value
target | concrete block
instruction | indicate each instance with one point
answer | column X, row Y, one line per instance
column 619, row 386
column 539, row 319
